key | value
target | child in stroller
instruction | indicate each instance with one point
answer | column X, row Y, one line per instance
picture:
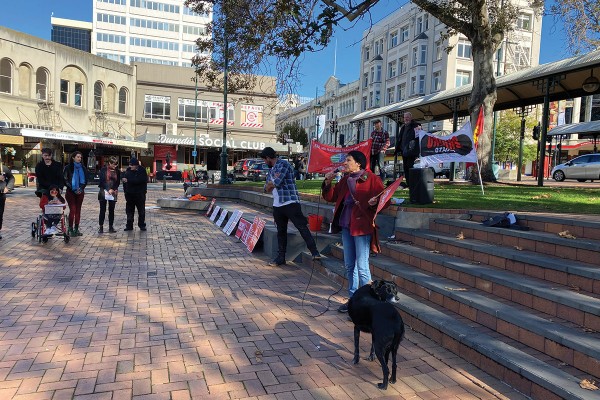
column 52, row 221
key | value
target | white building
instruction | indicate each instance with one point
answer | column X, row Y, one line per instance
column 158, row 32
column 403, row 56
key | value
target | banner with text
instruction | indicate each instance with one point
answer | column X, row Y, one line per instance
column 324, row 158
column 456, row 147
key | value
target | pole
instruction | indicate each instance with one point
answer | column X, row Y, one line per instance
column 224, row 179
column 520, row 164
column 195, row 120
column 454, row 129
column 545, row 115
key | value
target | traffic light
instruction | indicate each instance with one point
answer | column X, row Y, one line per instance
column 332, row 126
column 536, row 132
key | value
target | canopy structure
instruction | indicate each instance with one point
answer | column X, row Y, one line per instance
column 583, row 130
column 560, row 80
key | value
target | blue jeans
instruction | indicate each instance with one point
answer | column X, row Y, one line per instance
column 356, row 260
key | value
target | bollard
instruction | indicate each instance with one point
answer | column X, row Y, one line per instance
column 164, row 183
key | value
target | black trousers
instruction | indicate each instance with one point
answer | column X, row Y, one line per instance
column 291, row 212
column 2, row 203
column 111, row 212
column 407, row 163
column 133, row 201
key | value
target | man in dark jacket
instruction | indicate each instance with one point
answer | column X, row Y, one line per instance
column 7, row 184
column 405, row 136
column 48, row 172
column 135, row 186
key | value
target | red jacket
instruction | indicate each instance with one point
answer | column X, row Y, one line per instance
column 368, row 186
column 45, row 200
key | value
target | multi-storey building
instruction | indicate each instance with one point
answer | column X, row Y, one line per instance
column 157, row 32
column 72, row 33
column 403, row 56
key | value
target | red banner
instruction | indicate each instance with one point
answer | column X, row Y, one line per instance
column 387, row 194
column 323, row 158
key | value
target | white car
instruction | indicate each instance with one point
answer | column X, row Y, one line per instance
column 582, row 168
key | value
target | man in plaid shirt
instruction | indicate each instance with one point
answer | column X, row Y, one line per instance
column 381, row 142
column 286, row 204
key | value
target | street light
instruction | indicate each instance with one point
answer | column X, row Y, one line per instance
column 318, row 108
column 591, row 84
column 195, row 152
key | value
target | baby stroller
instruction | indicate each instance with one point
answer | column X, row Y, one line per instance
column 50, row 223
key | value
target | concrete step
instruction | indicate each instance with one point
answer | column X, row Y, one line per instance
column 556, row 300
column 527, row 370
column 581, row 226
column 583, row 250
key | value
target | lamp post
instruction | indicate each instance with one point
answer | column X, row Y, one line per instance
column 318, row 108
column 522, row 112
column 224, row 179
column 195, row 152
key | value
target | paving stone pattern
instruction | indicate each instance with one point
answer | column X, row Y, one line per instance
column 184, row 312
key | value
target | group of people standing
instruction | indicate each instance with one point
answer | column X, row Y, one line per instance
column 407, row 146
column 50, row 174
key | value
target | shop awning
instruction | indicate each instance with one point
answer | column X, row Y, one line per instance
column 10, row 139
column 75, row 137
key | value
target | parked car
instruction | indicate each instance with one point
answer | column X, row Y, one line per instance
column 258, row 172
column 582, row 168
column 240, row 169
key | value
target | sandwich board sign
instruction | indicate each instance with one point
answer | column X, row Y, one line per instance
column 255, row 231
column 232, row 223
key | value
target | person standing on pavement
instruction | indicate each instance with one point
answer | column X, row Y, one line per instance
column 110, row 179
column 7, row 184
column 286, row 204
column 356, row 196
column 381, row 142
column 407, row 145
column 135, row 186
column 75, row 176
column 48, row 172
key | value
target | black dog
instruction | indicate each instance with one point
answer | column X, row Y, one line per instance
column 372, row 311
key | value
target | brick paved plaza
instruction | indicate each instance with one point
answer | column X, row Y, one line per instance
column 184, row 312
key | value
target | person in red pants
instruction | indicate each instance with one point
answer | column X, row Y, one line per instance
column 75, row 176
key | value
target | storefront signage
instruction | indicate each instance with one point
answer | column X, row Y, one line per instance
column 74, row 137
column 207, row 141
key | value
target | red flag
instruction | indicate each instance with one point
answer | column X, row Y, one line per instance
column 323, row 158
column 387, row 194
column 478, row 127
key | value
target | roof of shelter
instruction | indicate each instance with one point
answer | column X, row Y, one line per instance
column 521, row 88
column 583, row 129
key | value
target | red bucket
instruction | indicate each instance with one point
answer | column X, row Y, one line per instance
column 314, row 222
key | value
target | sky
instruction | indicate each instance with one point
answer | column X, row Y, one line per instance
column 33, row 17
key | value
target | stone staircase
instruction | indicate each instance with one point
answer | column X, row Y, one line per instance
column 521, row 305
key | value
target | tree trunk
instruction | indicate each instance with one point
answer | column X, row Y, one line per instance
column 484, row 45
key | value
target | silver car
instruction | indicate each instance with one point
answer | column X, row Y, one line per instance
column 582, row 168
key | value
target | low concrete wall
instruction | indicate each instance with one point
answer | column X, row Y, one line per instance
column 183, row 204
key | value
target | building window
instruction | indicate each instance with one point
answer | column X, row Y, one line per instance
column 379, row 46
column 370, row 99
column 524, row 22
column 393, row 39
column 421, row 84
column 41, row 84
column 122, row 101
column 415, row 56
column 463, row 49
column 401, row 92
column 367, row 53
column 436, row 81
column 425, row 22
column 423, row 57
column 6, row 76
column 392, row 69
column 463, row 78
column 390, row 95
column 438, row 50
column 377, row 98
column 378, row 73
column 98, row 94
column 364, row 103
column 157, row 107
column 365, row 79
column 521, row 56
column 78, row 94
column 64, row 91
column 413, row 85
column 404, row 32
column 419, row 27
column 403, row 64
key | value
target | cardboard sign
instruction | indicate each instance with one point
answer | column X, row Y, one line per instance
column 233, row 220
column 255, row 231
column 210, row 207
column 222, row 217
column 215, row 213
column 243, row 227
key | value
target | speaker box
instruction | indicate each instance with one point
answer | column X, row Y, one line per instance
column 421, row 185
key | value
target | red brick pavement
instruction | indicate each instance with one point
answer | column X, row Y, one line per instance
column 183, row 312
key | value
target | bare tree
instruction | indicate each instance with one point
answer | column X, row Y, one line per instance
column 581, row 19
column 269, row 36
